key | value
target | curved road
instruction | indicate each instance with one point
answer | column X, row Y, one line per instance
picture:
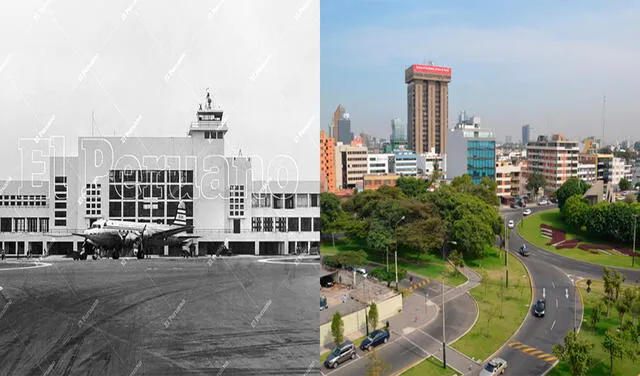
column 529, row 351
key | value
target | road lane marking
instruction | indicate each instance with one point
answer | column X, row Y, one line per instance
column 556, row 302
column 554, row 324
column 533, row 351
column 553, row 284
column 416, row 345
column 543, row 292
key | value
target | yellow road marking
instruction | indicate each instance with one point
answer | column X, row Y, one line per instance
column 520, row 347
column 543, row 356
column 551, row 358
column 530, row 349
column 514, row 343
column 536, row 352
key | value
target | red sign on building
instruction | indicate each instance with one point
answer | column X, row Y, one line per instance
column 431, row 69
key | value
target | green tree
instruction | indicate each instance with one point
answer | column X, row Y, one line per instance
column 576, row 211
column 576, row 352
column 379, row 237
column 615, row 346
column 337, row 328
column 330, row 212
column 349, row 258
column 596, row 314
column 573, row 186
column 605, row 150
column 626, row 302
column 456, row 258
column 376, row 366
column 411, row 187
column 373, row 316
column 624, row 184
column 535, row 181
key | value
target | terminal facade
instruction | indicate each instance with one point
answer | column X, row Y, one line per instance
column 143, row 179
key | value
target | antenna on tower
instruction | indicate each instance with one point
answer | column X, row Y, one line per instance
column 604, row 106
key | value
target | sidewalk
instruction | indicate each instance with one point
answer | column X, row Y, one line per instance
column 406, row 325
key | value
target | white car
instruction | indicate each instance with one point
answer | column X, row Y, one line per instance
column 496, row 366
column 543, row 202
column 510, row 224
column 362, row 271
column 526, row 212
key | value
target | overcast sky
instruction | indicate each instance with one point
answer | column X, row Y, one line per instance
column 143, row 66
column 546, row 63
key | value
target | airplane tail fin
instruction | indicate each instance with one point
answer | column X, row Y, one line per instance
column 181, row 215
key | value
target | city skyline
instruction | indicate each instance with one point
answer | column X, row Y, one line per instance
column 541, row 65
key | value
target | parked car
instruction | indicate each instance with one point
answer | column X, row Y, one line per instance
column 362, row 271
column 374, row 339
column 526, row 212
column 553, row 200
column 513, row 205
column 539, row 308
column 340, row 355
column 510, row 224
column 543, row 202
column 496, row 366
column 323, row 303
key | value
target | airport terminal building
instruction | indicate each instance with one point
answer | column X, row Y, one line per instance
column 143, row 179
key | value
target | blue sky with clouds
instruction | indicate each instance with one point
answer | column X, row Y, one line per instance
column 543, row 63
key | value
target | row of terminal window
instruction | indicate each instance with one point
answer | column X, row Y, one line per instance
column 23, row 200
column 32, row 224
column 285, row 224
column 285, row 200
column 151, row 176
column 214, row 135
column 145, row 209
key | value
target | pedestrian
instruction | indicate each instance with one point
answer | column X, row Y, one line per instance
column 3, row 254
column 411, row 278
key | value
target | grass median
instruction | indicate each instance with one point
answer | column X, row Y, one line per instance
column 530, row 230
column 501, row 309
column 595, row 335
column 430, row 366
column 426, row 265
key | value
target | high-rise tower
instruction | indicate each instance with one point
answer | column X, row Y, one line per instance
column 427, row 107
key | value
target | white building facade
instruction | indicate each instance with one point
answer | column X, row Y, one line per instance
column 143, row 179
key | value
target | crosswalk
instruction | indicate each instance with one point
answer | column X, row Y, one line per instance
column 530, row 350
column 415, row 286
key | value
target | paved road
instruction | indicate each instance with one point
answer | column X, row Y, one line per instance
column 159, row 317
column 569, row 265
column 529, row 351
column 411, row 343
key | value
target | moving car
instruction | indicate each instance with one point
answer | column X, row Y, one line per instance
column 340, row 355
column 496, row 366
column 510, row 224
column 375, row 338
column 539, row 307
column 543, row 202
column 513, row 205
column 524, row 251
column 526, row 212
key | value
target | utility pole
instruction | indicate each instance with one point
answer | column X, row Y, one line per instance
column 633, row 255
column 396, row 233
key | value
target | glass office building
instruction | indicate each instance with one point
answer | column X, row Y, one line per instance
column 481, row 156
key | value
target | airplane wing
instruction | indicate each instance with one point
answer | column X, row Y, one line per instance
column 171, row 231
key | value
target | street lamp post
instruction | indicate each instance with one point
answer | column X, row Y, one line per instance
column 633, row 254
column 396, row 233
column 444, row 341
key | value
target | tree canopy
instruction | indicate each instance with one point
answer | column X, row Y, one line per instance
column 535, row 181
column 573, row 186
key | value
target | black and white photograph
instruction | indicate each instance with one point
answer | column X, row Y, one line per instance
column 159, row 187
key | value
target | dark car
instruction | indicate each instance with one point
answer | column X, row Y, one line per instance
column 375, row 338
column 524, row 251
column 539, row 308
column 340, row 355
column 513, row 205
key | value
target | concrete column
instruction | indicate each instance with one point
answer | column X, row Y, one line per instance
column 257, row 248
column 26, row 247
column 45, row 248
column 166, row 250
column 75, row 246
